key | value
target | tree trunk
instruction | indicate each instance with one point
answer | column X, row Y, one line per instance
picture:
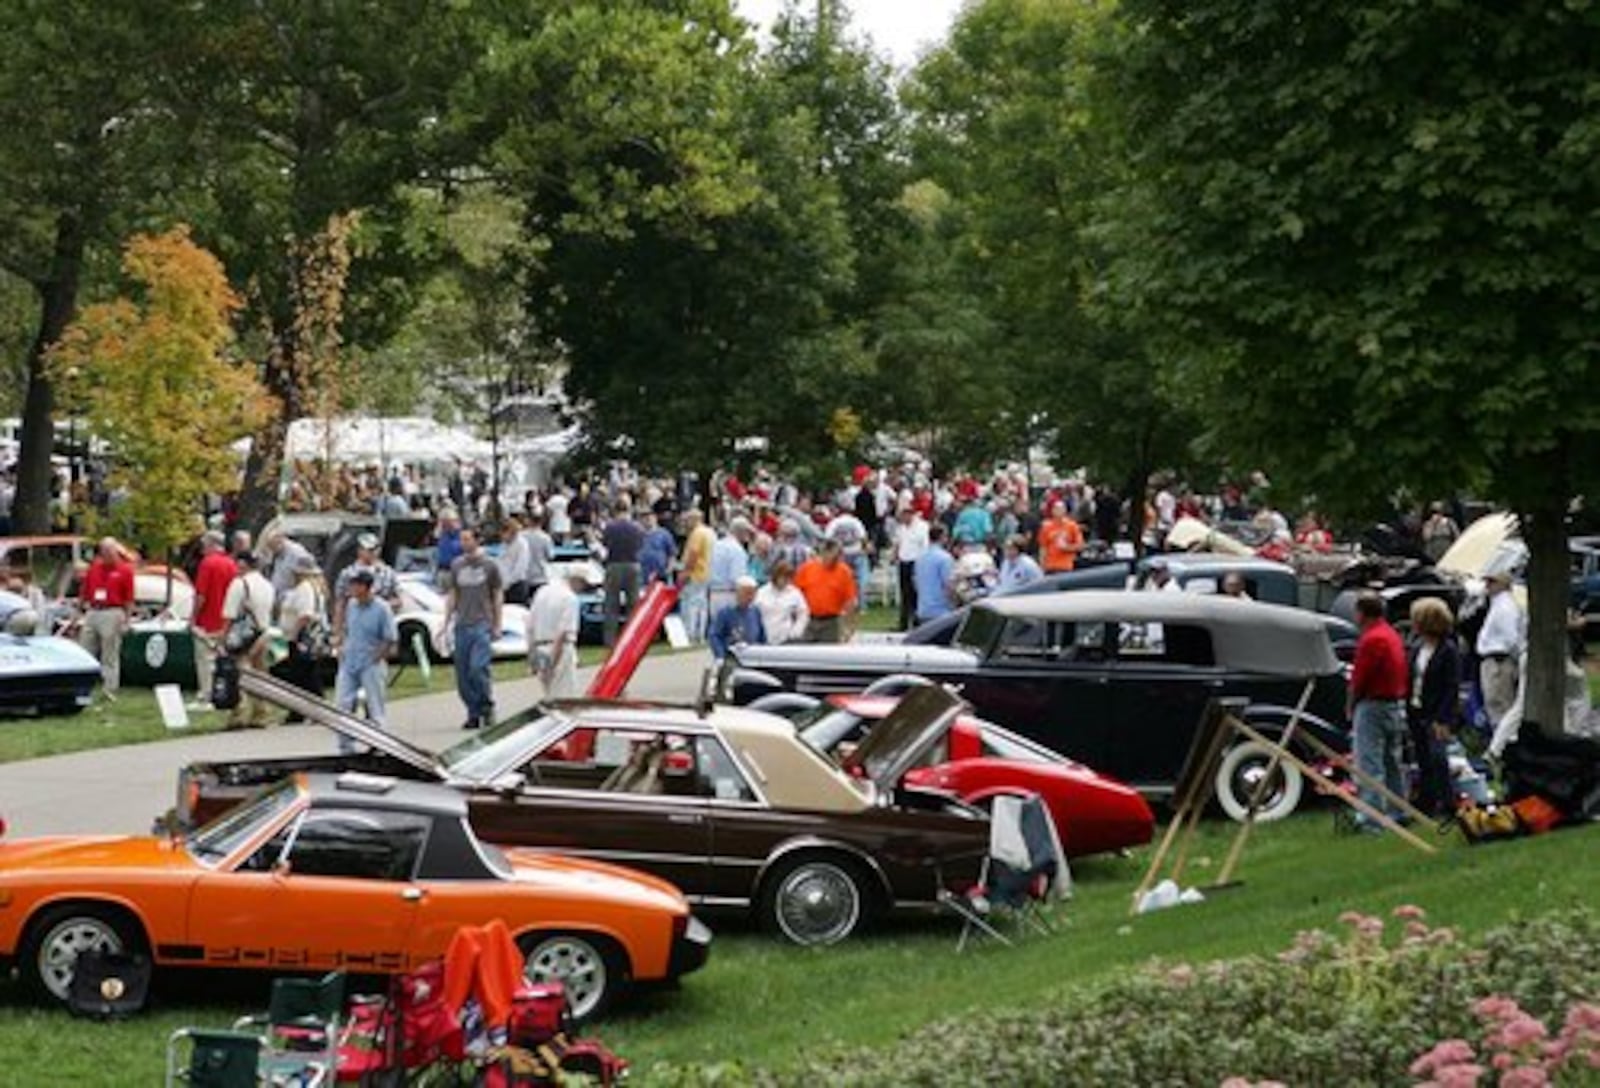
column 58, row 298
column 1544, row 531
column 263, row 470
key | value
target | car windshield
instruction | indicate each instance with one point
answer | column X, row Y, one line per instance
column 508, row 743
column 222, row 836
column 978, row 630
column 825, row 727
column 1002, row 744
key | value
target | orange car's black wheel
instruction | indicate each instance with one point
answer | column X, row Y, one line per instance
column 59, row 935
column 592, row 968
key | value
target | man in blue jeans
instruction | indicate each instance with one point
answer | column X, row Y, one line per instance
column 364, row 643
column 476, row 597
column 1376, row 705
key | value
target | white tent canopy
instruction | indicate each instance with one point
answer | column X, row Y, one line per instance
column 365, row 440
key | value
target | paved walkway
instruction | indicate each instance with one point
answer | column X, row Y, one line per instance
column 121, row 790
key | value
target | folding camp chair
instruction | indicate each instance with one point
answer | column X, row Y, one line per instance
column 1024, row 870
column 302, row 1030
column 217, row 1059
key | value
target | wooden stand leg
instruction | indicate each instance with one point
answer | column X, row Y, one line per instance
column 1354, row 802
column 1259, row 794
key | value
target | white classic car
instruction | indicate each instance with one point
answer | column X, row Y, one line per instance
column 421, row 613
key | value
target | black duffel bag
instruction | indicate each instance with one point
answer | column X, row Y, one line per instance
column 225, row 683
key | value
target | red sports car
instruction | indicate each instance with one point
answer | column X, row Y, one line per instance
column 977, row 760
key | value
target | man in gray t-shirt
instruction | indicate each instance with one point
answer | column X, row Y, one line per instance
column 476, row 596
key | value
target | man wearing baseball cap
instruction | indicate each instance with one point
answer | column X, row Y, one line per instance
column 385, row 586
column 364, row 644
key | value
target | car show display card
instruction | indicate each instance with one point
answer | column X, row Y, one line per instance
column 677, row 633
column 169, row 697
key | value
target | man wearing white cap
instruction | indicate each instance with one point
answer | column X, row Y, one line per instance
column 1499, row 647
column 739, row 623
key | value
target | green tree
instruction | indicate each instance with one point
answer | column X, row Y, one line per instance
column 1375, row 224
column 1006, row 124
column 88, row 138
column 162, row 354
column 314, row 117
column 693, row 248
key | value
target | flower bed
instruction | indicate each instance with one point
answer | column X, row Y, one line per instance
column 1384, row 1002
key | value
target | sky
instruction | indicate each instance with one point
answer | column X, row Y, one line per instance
column 899, row 28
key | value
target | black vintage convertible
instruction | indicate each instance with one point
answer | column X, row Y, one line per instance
column 1115, row 679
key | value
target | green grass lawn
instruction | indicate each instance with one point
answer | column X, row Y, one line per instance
column 767, row 1004
column 134, row 718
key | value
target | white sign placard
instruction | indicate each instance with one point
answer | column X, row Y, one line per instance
column 169, row 698
column 677, row 633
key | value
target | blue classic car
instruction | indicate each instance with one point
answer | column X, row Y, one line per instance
column 40, row 674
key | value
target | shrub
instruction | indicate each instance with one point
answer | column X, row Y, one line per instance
column 1352, row 1009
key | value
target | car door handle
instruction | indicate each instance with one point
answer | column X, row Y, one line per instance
column 685, row 818
column 412, row 895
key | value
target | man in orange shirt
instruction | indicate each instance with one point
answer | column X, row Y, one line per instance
column 830, row 592
column 1060, row 540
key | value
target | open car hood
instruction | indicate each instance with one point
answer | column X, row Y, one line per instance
column 1487, row 546
column 895, row 744
column 288, row 697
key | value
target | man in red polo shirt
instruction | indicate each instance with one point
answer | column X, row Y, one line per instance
column 106, row 598
column 1376, row 705
column 216, row 572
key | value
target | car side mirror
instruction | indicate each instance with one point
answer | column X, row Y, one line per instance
column 510, row 782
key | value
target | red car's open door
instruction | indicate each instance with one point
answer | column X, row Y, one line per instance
column 611, row 679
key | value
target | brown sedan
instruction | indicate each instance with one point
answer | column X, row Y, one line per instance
column 726, row 803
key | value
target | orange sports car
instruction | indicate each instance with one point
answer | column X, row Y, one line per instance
column 350, row 871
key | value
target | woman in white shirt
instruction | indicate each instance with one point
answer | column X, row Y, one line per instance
column 303, row 619
column 784, row 614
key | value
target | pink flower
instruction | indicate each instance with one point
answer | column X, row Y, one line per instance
column 1410, row 912
column 1527, row 1076
column 1181, row 975
column 1496, row 1007
column 1351, row 917
column 1418, row 930
column 1237, row 1082
column 1522, row 1031
column 1458, row 1076
column 1445, row 1052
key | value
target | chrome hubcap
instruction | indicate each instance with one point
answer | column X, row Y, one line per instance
column 1248, row 779
column 63, row 945
column 818, row 904
column 576, row 965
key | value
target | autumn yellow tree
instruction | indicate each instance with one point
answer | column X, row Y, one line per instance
column 150, row 374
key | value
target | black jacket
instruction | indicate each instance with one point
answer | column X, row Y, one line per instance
column 1441, row 684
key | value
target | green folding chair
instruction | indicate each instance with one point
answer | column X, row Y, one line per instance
column 301, row 1029
column 217, row 1059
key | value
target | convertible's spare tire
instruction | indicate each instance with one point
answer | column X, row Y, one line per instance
column 815, row 899
column 1242, row 767
column 593, row 970
column 59, row 935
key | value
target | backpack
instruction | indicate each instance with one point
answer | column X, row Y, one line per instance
column 225, row 684
column 314, row 639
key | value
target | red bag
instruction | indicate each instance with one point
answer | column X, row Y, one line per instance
column 538, row 1015
column 1537, row 814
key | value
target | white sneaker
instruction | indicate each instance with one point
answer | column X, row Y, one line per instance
column 197, row 705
